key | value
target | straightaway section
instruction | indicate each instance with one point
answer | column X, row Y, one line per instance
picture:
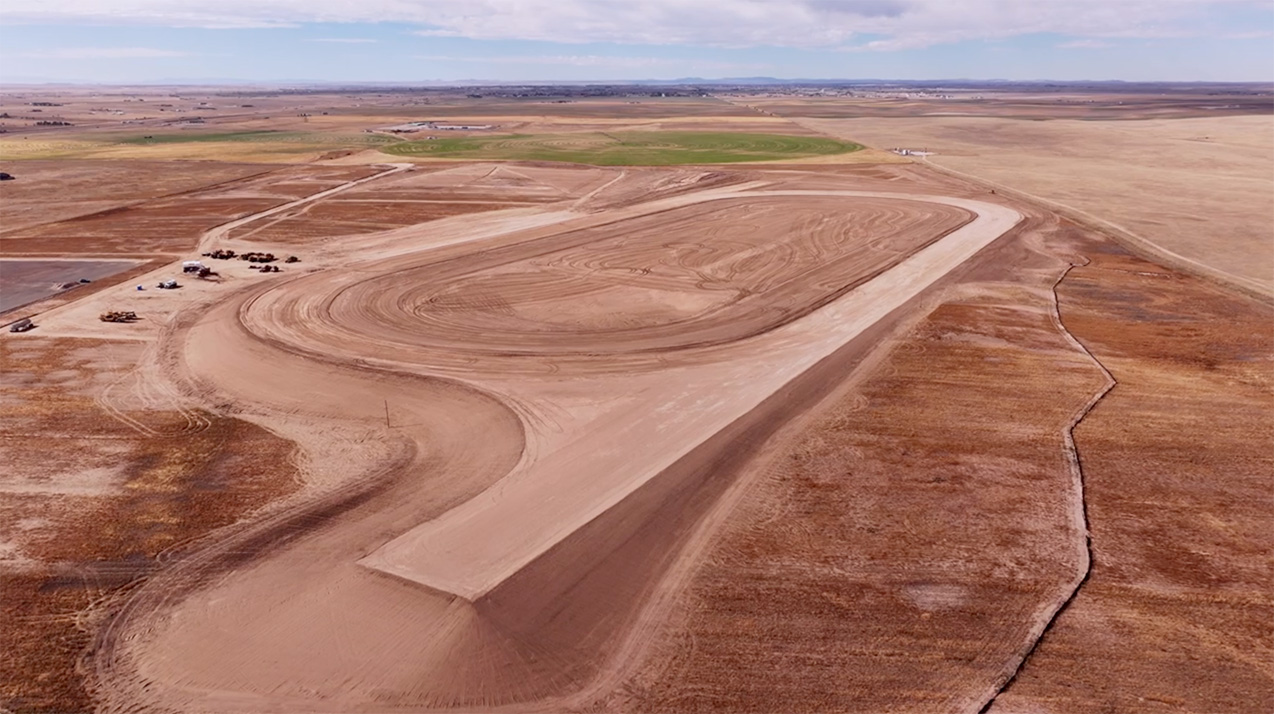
column 594, row 453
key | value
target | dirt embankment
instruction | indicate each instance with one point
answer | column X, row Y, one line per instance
column 896, row 552
column 891, row 552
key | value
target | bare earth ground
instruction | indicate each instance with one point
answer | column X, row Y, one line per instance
column 788, row 438
column 423, row 195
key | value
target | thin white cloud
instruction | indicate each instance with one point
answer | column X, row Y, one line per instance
column 80, row 53
column 1085, row 45
column 882, row 25
column 597, row 61
column 344, row 40
column 1248, row 35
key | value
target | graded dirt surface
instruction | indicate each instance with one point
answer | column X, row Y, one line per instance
column 1198, row 188
column 648, row 284
column 527, row 436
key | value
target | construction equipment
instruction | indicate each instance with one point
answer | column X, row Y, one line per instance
column 22, row 325
column 118, row 316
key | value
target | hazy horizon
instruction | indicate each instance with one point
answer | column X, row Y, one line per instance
column 265, row 41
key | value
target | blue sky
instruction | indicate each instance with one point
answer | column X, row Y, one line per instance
column 546, row 40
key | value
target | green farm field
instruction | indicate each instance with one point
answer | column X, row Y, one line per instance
column 627, row 148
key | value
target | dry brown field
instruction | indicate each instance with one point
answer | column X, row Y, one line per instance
column 806, row 437
column 49, row 191
column 1064, row 103
column 1177, row 470
column 168, row 224
column 1200, row 188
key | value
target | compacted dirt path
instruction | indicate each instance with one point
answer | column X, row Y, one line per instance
column 501, row 468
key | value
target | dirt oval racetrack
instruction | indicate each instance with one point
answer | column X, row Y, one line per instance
column 703, row 274
column 520, row 428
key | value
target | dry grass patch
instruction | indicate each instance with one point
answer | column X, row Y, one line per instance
column 90, row 505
